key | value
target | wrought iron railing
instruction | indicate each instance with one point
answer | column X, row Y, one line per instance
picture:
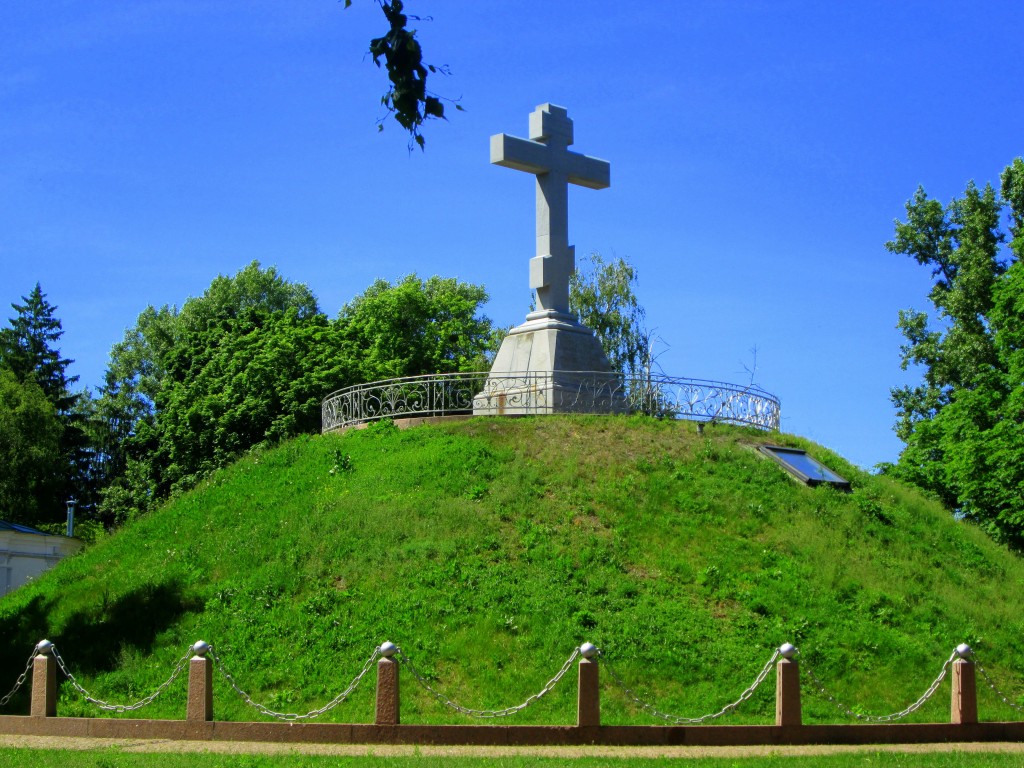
column 450, row 394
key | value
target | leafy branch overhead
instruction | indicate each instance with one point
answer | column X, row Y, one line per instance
column 407, row 98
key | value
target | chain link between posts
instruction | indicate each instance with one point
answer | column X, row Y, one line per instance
column 883, row 718
column 21, row 679
column 995, row 689
column 182, row 662
column 292, row 716
column 486, row 713
column 677, row 719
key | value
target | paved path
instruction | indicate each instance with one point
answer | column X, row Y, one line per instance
column 252, row 747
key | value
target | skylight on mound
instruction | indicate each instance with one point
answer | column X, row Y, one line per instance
column 805, row 468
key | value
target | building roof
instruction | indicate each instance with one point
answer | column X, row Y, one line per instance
column 5, row 526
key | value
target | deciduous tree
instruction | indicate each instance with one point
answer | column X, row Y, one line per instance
column 416, row 327
column 31, row 478
column 963, row 424
column 603, row 296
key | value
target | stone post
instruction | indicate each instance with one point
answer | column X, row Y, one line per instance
column 200, row 685
column 44, row 682
column 964, row 706
column 588, row 706
column 387, row 687
column 787, row 693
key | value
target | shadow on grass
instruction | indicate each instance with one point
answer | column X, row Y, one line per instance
column 90, row 639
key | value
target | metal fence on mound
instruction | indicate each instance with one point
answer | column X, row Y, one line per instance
column 453, row 394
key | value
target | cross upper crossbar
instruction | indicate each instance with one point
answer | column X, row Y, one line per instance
column 529, row 156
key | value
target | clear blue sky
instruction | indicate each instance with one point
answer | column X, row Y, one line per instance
column 760, row 152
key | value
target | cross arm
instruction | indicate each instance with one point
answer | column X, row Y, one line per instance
column 590, row 172
column 521, row 154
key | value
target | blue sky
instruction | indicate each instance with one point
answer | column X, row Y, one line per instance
column 759, row 153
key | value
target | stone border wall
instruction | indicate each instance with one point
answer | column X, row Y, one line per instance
column 788, row 729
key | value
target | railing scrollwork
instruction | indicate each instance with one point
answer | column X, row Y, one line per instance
column 452, row 394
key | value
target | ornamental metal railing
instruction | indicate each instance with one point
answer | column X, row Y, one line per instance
column 516, row 394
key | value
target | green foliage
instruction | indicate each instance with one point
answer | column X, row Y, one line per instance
column 28, row 350
column 489, row 549
column 185, row 392
column 30, row 455
column 416, row 327
column 250, row 361
column 963, row 426
column 603, row 296
column 407, row 97
column 125, row 414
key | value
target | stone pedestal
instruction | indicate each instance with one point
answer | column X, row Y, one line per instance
column 550, row 364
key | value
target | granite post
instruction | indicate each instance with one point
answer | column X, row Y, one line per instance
column 588, row 706
column 787, row 693
column 200, row 687
column 964, row 705
column 387, row 692
column 44, row 682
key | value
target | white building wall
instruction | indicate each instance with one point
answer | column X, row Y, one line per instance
column 23, row 556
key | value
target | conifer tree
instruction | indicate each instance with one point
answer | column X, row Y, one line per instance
column 28, row 349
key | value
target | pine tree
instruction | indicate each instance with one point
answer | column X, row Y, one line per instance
column 28, row 349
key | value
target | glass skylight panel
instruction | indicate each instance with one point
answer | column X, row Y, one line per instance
column 806, row 468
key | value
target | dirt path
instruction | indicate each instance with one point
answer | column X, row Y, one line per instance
column 252, row 747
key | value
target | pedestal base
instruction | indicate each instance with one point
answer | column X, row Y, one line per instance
column 550, row 364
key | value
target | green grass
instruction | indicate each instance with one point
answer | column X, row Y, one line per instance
column 491, row 548
column 112, row 758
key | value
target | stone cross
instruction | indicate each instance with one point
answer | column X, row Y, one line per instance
column 546, row 155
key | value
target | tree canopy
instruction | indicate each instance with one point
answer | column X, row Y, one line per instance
column 30, row 442
column 603, row 296
column 963, row 424
column 249, row 362
column 416, row 327
column 52, row 437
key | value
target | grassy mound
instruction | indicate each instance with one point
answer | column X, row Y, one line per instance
column 489, row 549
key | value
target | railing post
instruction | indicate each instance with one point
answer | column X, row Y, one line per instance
column 787, row 688
column 44, row 681
column 200, row 685
column 964, row 705
column 588, row 702
column 387, row 686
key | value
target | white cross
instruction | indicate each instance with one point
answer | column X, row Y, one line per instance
column 547, row 156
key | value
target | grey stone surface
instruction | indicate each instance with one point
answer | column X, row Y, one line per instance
column 44, row 686
column 552, row 339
